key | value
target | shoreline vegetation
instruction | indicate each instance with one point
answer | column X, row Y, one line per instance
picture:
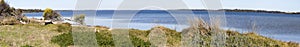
column 226, row 10
column 16, row 30
column 60, row 35
column 244, row 10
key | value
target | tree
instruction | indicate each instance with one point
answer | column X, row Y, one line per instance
column 79, row 19
column 49, row 14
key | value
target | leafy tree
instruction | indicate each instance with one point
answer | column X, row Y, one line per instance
column 79, row 19
column 49, row 14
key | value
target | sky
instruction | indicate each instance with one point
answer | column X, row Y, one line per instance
column 271, row 5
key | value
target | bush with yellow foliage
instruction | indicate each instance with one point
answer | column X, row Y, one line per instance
column 50, row 14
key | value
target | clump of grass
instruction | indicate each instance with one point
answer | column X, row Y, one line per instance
column 28, row 34
column 63, row 40
column 253, row 39
column 27, row 46
column 65, row 27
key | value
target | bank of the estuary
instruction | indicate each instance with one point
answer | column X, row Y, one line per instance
column 55, row 35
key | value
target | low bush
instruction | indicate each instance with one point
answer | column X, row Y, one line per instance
column 79, row 19
column 101, row 28
column 65, row 27
column 63, row 40
column 50, row 14
column 104, row 38
column 9, row 21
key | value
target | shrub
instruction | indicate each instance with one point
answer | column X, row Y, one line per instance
column 104, row 39
column 79, row 19
column 65, row 27
column 101, row 28
column 66, row 39
column 63, row 40
column 9, row 21
column 27, row 46
column 50, row 14
column 138, row 42
column 30, row 21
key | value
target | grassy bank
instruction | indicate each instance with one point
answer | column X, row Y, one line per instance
column 140, row 38
column 30, row 34
column 61, row 36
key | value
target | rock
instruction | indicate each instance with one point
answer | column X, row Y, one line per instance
column 46, row 23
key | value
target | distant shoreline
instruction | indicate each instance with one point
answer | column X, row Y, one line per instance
column 226, row 10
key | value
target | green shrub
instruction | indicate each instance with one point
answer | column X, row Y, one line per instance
column 65, row 27
column 27, row 46
column 138, row 42
column 79, row 19
column 63, row 40
column 104, row 38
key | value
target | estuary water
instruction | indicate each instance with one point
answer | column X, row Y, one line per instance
column 285, row 27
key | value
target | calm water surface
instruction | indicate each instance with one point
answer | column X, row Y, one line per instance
column 284, row 27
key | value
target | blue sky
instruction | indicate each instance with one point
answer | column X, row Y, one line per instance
column 274, row 5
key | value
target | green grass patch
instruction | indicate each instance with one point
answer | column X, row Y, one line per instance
column 61, row 36
column 30, row 34
column 140, row 38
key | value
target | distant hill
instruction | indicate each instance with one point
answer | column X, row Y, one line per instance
column 226, row 10
column 32, row 10
column 244, row 10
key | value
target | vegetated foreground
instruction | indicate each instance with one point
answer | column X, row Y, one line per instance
column 60, row 35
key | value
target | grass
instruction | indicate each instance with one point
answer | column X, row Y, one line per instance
column 30, row 34
column 140, row 38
